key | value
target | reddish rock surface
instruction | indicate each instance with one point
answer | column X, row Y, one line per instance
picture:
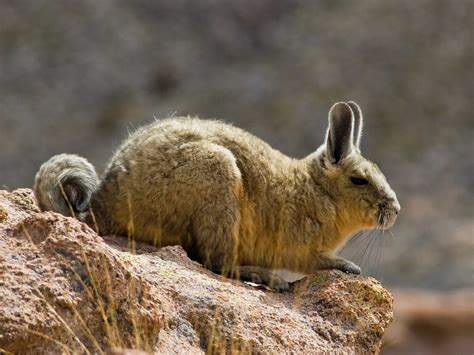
column 65, row 289
column 431, row 323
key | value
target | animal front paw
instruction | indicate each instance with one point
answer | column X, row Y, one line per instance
column 350, row 268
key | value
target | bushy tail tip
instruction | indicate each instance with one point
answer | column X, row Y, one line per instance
column 65, row 184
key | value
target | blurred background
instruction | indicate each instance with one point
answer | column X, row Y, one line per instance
column 77, row 76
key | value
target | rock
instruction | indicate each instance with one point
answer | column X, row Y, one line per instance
column 63, row 288
column 432, row 322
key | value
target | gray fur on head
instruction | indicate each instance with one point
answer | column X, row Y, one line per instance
column 65, row 184
column 340, row 132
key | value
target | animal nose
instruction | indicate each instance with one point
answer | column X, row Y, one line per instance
column 391, row 204
column 396, row 206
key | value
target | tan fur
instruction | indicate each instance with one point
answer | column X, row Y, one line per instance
column 231, row 200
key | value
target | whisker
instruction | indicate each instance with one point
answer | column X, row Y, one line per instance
column 374, row 252
column 391, row 233
column 378, row 255
column 358, row 245
column 364, row 251
column 369, row 255
column 355, row 239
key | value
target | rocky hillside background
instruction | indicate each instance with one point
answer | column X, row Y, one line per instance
column 76, row 76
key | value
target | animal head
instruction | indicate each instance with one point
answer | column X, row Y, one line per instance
column 360, row 191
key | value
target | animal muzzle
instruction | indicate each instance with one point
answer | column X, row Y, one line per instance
column 388, row 212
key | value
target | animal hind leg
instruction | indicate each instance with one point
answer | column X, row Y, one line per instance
column 264, row 276
column 217, row 193
column 217, row 233
column 216, row 224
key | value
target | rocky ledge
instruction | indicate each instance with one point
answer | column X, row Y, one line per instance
column 65, row 289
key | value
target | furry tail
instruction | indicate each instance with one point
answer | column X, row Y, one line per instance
column 65, row 184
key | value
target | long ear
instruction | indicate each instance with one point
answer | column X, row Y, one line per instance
column 358, row 122
column 340, row 132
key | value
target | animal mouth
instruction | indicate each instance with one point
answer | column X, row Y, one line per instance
column 386, row 218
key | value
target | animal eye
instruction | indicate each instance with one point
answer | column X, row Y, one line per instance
column 359, row 181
